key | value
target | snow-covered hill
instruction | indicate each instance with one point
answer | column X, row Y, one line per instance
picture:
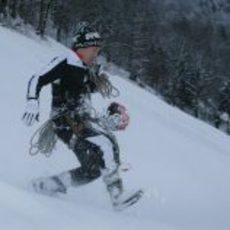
column 182, row 163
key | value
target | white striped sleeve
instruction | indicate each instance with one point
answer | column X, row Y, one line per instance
column 33, row 85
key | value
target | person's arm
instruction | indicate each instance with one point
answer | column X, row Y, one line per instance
column 53, row 71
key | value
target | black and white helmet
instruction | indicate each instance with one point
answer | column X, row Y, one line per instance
column 86, row 36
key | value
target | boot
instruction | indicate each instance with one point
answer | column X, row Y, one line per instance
column 53, row 185
column 114, row 187
column 120, row 199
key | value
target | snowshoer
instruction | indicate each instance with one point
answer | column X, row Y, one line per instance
column 74, row 77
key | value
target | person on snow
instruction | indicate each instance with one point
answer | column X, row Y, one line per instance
column 74, row 77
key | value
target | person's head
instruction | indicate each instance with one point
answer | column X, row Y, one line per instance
column 86, row 42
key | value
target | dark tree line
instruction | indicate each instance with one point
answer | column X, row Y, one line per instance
column 180, row 49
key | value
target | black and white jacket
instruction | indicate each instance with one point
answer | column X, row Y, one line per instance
column 70, row 81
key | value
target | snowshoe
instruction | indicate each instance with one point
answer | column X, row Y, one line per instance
column 49, row 186
column 125, row 201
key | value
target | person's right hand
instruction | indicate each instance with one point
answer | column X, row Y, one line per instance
column 31, row 113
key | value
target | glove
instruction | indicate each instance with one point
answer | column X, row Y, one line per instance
column 118, row 118
column 31, row 113
column 113, row 121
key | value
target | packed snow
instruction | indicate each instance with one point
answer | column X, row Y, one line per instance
column 182, row 164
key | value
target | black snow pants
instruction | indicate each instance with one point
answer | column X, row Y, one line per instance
column 88, row 154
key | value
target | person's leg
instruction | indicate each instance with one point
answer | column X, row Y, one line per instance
column 120, row 197
column 110, row 172
column 90, row 157
column 91, row 162
column 96, row 156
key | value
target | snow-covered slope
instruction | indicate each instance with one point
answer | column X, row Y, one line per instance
column 182, row 163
